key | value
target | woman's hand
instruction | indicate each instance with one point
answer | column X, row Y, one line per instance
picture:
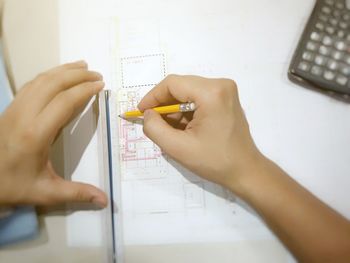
column 28, row 128
column 215, row 141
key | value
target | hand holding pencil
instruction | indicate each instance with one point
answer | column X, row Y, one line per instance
column 216, row 131
column 215, row 143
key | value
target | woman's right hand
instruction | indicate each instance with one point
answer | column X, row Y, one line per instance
column 214, row 142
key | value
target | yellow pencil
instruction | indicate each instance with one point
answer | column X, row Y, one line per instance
column 183, row 107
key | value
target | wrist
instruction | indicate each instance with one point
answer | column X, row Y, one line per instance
column 252, row 177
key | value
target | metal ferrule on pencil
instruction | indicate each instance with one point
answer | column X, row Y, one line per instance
column 186, row 107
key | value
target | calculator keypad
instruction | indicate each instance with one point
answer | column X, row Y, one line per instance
column 326, row 53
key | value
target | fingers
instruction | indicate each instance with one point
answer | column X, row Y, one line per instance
column 52, row 83
column 178, row 120
column 172, row 141
column 68, row 192
column 173, row 119
column 39, row 92
column 63, row 79
column 73, row 65
column 51, row 189
column 62, row 107
column 173, row 88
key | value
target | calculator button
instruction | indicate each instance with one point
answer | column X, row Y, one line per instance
column 332, row 64
column 345, row 70
column 342, row 80
column 330, row 30
column 327, row 40
column 343, row 25
column 326, row 10
column 325, row 50
column 328, row 75
column 319, row 26
column 348, row 37
column 347, row 60
column 308, row 56
column 304, row 66
column 346, row 16
column 320, row 60
column 339, row 5
column 329, row 2
column 316, row 36
column 336, row 13
column 316, row 70
column 333, row 21
column 323, row 18
column 341, row 34
column 337, row 55
column 311, row 46
column 340, row 45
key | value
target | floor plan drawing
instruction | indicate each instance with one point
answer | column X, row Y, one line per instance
column 156, row 191
column 140, row 157
column 143, row 164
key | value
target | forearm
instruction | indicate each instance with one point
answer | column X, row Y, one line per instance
column 310, row 229
column 216, row 144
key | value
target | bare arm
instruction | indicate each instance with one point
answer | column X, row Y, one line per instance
column 311, row 230
column 216, row 144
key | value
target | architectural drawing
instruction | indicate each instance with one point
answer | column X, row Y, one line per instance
column 142, row 162
column 155, row 190
column 139, row 156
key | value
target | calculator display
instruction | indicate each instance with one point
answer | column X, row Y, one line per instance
column 322, row 58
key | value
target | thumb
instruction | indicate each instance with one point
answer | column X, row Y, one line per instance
column 169, row 139
column 62, row 191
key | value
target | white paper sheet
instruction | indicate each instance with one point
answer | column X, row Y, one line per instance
column 250, row 41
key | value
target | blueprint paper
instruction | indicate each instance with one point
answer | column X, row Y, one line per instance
column 156, row 192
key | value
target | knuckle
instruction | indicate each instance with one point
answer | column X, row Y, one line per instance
column 91, row 88
column 67, row 100
column 43, row 77
column 219, row 92
column 29, row 139
column 66, row 66
column 171, row 77
column 227, row 89
column 29, row 134
column 27, row 86
column 63, row 68
column 230, row 83
column 40, row 79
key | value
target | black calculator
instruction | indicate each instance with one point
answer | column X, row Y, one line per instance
column 322, row 58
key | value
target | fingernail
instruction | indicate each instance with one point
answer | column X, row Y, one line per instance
column 99, row 86
column 81, row 62
column 100, row 75
column 100, row 202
